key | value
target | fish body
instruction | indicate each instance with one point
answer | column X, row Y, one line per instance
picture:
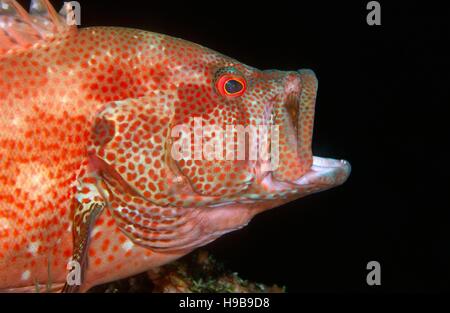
column 88, row 117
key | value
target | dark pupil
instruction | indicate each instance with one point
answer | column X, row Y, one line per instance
column 233, row 86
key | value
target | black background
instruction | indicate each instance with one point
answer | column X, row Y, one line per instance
column 383, row 93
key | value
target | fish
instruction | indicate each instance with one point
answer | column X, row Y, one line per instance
column 119, row 148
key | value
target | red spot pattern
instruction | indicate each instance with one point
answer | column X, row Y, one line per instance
column 113, row 94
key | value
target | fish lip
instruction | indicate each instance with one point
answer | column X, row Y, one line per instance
column 325, row 172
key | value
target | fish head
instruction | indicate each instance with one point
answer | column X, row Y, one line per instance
column 248, row 134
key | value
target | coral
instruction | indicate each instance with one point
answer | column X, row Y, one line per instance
column 197, row 272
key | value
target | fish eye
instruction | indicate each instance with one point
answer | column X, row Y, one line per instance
column 231, row 84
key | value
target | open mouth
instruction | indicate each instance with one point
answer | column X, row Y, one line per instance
column 325, row 172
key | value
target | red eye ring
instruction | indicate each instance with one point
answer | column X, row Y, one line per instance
column 230, row 82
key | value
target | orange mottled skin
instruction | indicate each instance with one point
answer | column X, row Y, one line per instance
column 62, row 97
column 49, row 100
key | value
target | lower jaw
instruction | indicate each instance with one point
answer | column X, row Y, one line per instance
column 325, row 173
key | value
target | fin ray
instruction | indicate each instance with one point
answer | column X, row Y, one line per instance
column 43, row 9
column 20, row 29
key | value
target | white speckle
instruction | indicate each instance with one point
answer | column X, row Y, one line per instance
column 35, row 178
column 33, row 247
column 95, row 231
column 4, row 224
column 17, row 121
column 127, row 245
column 178, row 179
column 26, row 275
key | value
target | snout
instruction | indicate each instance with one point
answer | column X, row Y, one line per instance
column 305, row 116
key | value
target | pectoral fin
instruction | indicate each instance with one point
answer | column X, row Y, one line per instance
column 90, row 205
